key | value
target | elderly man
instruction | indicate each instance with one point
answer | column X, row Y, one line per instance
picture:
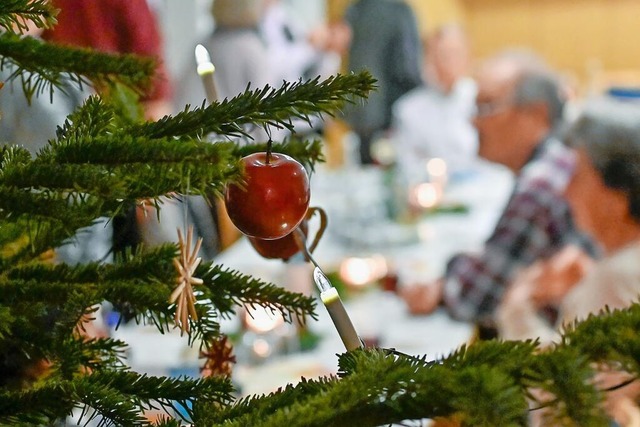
column 519, row 105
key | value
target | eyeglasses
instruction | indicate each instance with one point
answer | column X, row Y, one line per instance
column 491, row 108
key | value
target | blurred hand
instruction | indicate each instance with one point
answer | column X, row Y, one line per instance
column 422, row 299
column 558, row 275
column 545, row 283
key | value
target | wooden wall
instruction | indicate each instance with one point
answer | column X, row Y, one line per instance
column 596, row 42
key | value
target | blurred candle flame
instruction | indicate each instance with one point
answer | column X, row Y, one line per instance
column 260, row 320
column 360, row 271
column 437, row 168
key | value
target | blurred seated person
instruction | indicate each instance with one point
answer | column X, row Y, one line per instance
column 519, row 107
column 435, row 119
column 604, row 197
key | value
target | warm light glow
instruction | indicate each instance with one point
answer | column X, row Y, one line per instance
column 260, row 320
column 360, row 271
column 437, row 168
column 261, row 347
column 427, row 194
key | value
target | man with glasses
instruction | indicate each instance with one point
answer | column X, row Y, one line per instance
column 519, row 107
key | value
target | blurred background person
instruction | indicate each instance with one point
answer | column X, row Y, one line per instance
column 296, row 52
column 604, row 197
column 605, row 201
column 385, row 41
column 299, row 52
column 435, row 119
column 239, row 53
column 519, row 106
column 117, row 26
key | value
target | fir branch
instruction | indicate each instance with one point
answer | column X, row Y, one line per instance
column 608, row 336
column 227, row 288
column 15, row 14
column 263, row 107
column 6, row 319
column 119, row 397
column 42, row 66
column 45, row 219
column 566, row 375
column 13, row 155
column 43, row 324
column 72, row 355
column 144, row 390
column 38, row 406
column 257, row 407
column 121, row 149
column 129, row 283
column 54, row 179
column 488, row 397
column 483, row 384
column 514, row 357
column 152, row 265
column 385, row 389
column 187, row 166
column 92, row 119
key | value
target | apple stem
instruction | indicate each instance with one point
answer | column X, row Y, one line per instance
column 269, row 145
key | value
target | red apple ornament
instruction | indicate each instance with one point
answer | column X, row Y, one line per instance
column 287, row 246
column 282, row 248
column 274, row 198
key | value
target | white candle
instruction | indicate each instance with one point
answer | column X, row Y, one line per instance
column 205, row 69
column 333, row 303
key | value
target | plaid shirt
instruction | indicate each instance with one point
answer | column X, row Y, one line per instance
column 534, row 224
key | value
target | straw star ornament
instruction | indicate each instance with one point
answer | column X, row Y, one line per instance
column 183, row 296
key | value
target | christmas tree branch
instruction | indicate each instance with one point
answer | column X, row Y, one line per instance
column 41, row 66
column 263, row 107
column 485, row 384
column 120, row 397
column 16, row 14
column 146, row 296
column 250, row 407
column 240, row 289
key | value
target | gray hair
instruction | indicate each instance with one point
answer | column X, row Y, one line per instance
column 535, row 86
column 535, row 82
column 609, row 132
